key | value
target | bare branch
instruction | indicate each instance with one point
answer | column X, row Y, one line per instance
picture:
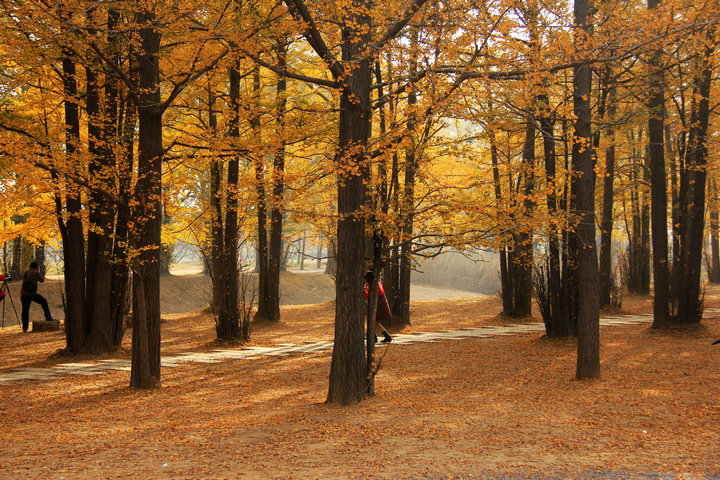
column 299, row 10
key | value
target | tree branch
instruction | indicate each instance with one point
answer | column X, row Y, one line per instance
column 299, row 11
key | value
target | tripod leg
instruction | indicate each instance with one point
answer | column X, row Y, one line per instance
column 12, row 302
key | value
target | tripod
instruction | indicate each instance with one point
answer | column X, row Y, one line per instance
column 5, row 290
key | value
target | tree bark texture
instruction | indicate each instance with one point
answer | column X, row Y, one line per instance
column 145, row 369
column 658, row 188
column 349, row 376
column 72, row 229
column 691, row 245
column 101, row 214
column 276, row 210
column 588, row 351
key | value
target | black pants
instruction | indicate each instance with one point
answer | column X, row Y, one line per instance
column 26, row 301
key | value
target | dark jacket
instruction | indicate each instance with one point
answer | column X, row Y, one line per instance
column 31, row 275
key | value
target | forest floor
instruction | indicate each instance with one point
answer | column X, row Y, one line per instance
column 501, row 407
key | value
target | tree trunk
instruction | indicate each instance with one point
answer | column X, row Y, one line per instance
column 263, row 310
column 402, row 315
column 72, row 229
column 554, row 283
column 608, row 200
column 658, row 188
column 506, row 290
column 121, row 268
column 349, row 380
column 98, row 287
column 217, row 236
column 227, row 325
column 145, row 364
column 523, row 250
column 121, row 161
column 588, row 350
column 40, row 257
column 689, row 299
column 16, row 267
column 714, row 270
column 276, row 211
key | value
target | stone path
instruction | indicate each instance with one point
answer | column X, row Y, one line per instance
column 285, row 349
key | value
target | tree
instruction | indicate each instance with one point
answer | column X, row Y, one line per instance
column 348, row 371
column 658, row 191
column 588, row 356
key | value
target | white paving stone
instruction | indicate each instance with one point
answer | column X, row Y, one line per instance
column 284, row 349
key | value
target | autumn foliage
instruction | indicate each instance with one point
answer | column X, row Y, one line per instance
column 542, row 130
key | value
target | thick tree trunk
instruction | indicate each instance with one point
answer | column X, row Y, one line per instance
column 98, row 287
column 227, row 324
column 73, row 236
column 523, row 251
column 145, row 362
column 658, row 188
column 588, row 351
column 349, row 379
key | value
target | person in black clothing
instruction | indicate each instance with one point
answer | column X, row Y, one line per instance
column 28, row 294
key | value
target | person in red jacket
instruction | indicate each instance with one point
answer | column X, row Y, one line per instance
column 383, row 308
column 28, row 294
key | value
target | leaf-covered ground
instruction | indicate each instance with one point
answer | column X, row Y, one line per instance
column 475, row 408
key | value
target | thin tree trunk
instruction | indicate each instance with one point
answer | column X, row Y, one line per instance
column 121, row 268
column 263, row 310
column 608, row 200
column 408, row 199
column 714, row 270
column 506, row 292
column 217, row 228
column 276, row 211
column 554, row 284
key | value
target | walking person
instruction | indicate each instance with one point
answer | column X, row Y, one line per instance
column 28, row 294
column 383, row 312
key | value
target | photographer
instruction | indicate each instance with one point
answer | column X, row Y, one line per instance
column 28, row 294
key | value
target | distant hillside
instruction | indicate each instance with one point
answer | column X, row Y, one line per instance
column 477, row 273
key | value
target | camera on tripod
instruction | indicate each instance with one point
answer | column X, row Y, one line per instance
column 3, row 280
column 5, row 291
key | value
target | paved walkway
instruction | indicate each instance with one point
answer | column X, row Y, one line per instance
column 284, row 349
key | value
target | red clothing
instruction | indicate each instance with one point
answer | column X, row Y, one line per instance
column 383, row 312
column 381, row 290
